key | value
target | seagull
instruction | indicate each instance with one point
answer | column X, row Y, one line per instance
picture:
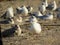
column 9, row 13
column 35, row 27
column 46, row 3
column 30, row 9
column 18, row 31
column 36, row 14
column 48, row 16
column 7, row 21
column 19, row 10
column 22, row 10
column 42, row 8
column 14, row 29
column 52, row 6
column 33, row 19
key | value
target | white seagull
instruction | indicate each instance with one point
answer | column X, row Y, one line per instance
column 46, row 3
column 35, row 27
column 33, row 19
column 30, row 9
column 9, row 13
column 54, row 5
column 42, row 8
column 22, row 10
column 48, row 16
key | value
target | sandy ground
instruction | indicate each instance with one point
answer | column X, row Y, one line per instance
column 50, row 34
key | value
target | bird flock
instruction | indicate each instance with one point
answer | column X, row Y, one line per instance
column 25, row 11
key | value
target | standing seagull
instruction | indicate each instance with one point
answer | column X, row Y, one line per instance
column 9, row 13
column 54, row 5
column 42, row 8
column 22, row 10
column 25, row 10
column 35, row 27
column 46, row 3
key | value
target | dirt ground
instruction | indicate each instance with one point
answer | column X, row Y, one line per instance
column 50, row 34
